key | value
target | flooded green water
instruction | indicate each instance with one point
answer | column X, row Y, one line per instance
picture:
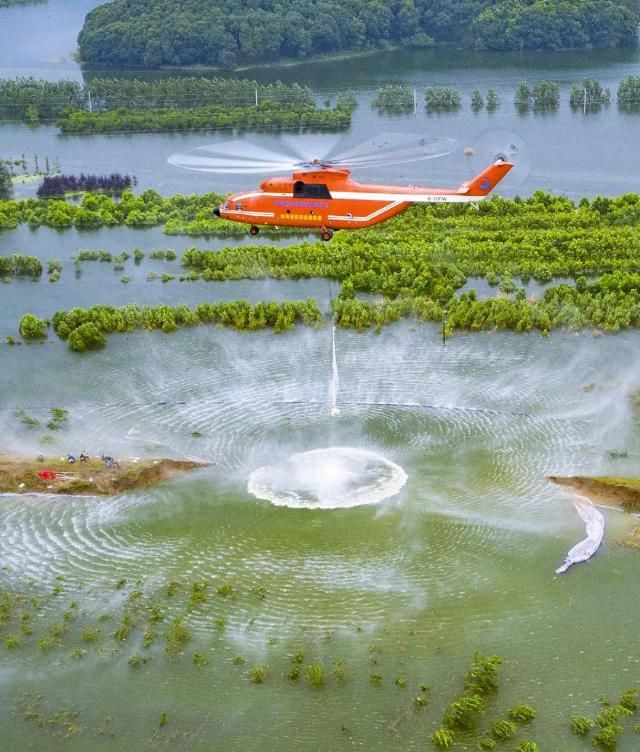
column 460, row 559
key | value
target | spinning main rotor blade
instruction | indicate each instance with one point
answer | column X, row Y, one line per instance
column 244, row 157
column 235, row 157
column 393, row 148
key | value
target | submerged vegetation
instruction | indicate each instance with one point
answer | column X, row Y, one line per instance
column 149, row 208
column 85, row 329
column 442, row 98
column 20, row 265
column 585, row 255
column 394, row 98
column 104, row 105
column 135, row 632
column 543, row 95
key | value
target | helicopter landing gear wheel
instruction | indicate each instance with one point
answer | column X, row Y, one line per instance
column 326, row 235
column 253, row 230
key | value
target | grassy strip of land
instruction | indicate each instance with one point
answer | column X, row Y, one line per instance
column 93, row 477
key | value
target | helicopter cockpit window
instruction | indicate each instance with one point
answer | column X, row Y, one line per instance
column 310, row 190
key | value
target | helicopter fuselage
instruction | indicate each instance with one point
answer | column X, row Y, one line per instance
column 328, row 199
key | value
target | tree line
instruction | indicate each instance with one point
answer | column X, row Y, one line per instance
column 32, row 98
column 112, row 105
column 267, row 116
column 542, row 95
column 85, row 328
column 58, row 185
column 158, row 33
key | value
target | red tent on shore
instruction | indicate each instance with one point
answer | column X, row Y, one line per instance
column 46, row 474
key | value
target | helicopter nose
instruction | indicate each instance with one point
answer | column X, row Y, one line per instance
column 216, row 211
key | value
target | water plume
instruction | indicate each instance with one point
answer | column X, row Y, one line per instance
column 331, row 478
column 335, row 381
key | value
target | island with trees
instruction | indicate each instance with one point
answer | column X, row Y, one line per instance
column 157, row 33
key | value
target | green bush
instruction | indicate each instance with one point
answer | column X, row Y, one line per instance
column 629, row 92
column 442, row 738
column 581, row 725
column 86, row 337
column 31, row 327
column 463, row 713
column 442, row 98
column 607, row 737
column 315, row 674
column 527, row 747
column 258, row 674
column 503, row 730
column 521, row 713
column 629, row 700
column 394, row 98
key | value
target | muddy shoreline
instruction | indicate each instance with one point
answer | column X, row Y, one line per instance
column 56, row 475
column 622, row 493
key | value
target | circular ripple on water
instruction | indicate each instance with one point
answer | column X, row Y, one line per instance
column 332, row 478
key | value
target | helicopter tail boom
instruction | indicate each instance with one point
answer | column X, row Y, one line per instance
column 486, row 181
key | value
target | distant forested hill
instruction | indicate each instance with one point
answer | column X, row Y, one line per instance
column 153, row 33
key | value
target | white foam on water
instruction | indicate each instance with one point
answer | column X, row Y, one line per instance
column 595, row 532
column 331, row 478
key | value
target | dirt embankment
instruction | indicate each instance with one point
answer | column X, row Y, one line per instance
column 622, row 493
column 94, row 477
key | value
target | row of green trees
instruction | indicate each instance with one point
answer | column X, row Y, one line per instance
column 197, row 103
column 85, row 328
column 267, row 116
column 400, row 98
column 193, row 91
column 36, row 99
column 500, row 226
column 20, row 265
column 97, row 210
column 157, row 33
column 607, row 308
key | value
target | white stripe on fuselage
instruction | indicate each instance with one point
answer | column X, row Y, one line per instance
column 416, row 198
column 373, row 215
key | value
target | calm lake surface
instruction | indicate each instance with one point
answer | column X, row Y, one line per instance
column 460, row 559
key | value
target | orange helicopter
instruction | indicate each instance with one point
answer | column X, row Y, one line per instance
column 320, row 194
